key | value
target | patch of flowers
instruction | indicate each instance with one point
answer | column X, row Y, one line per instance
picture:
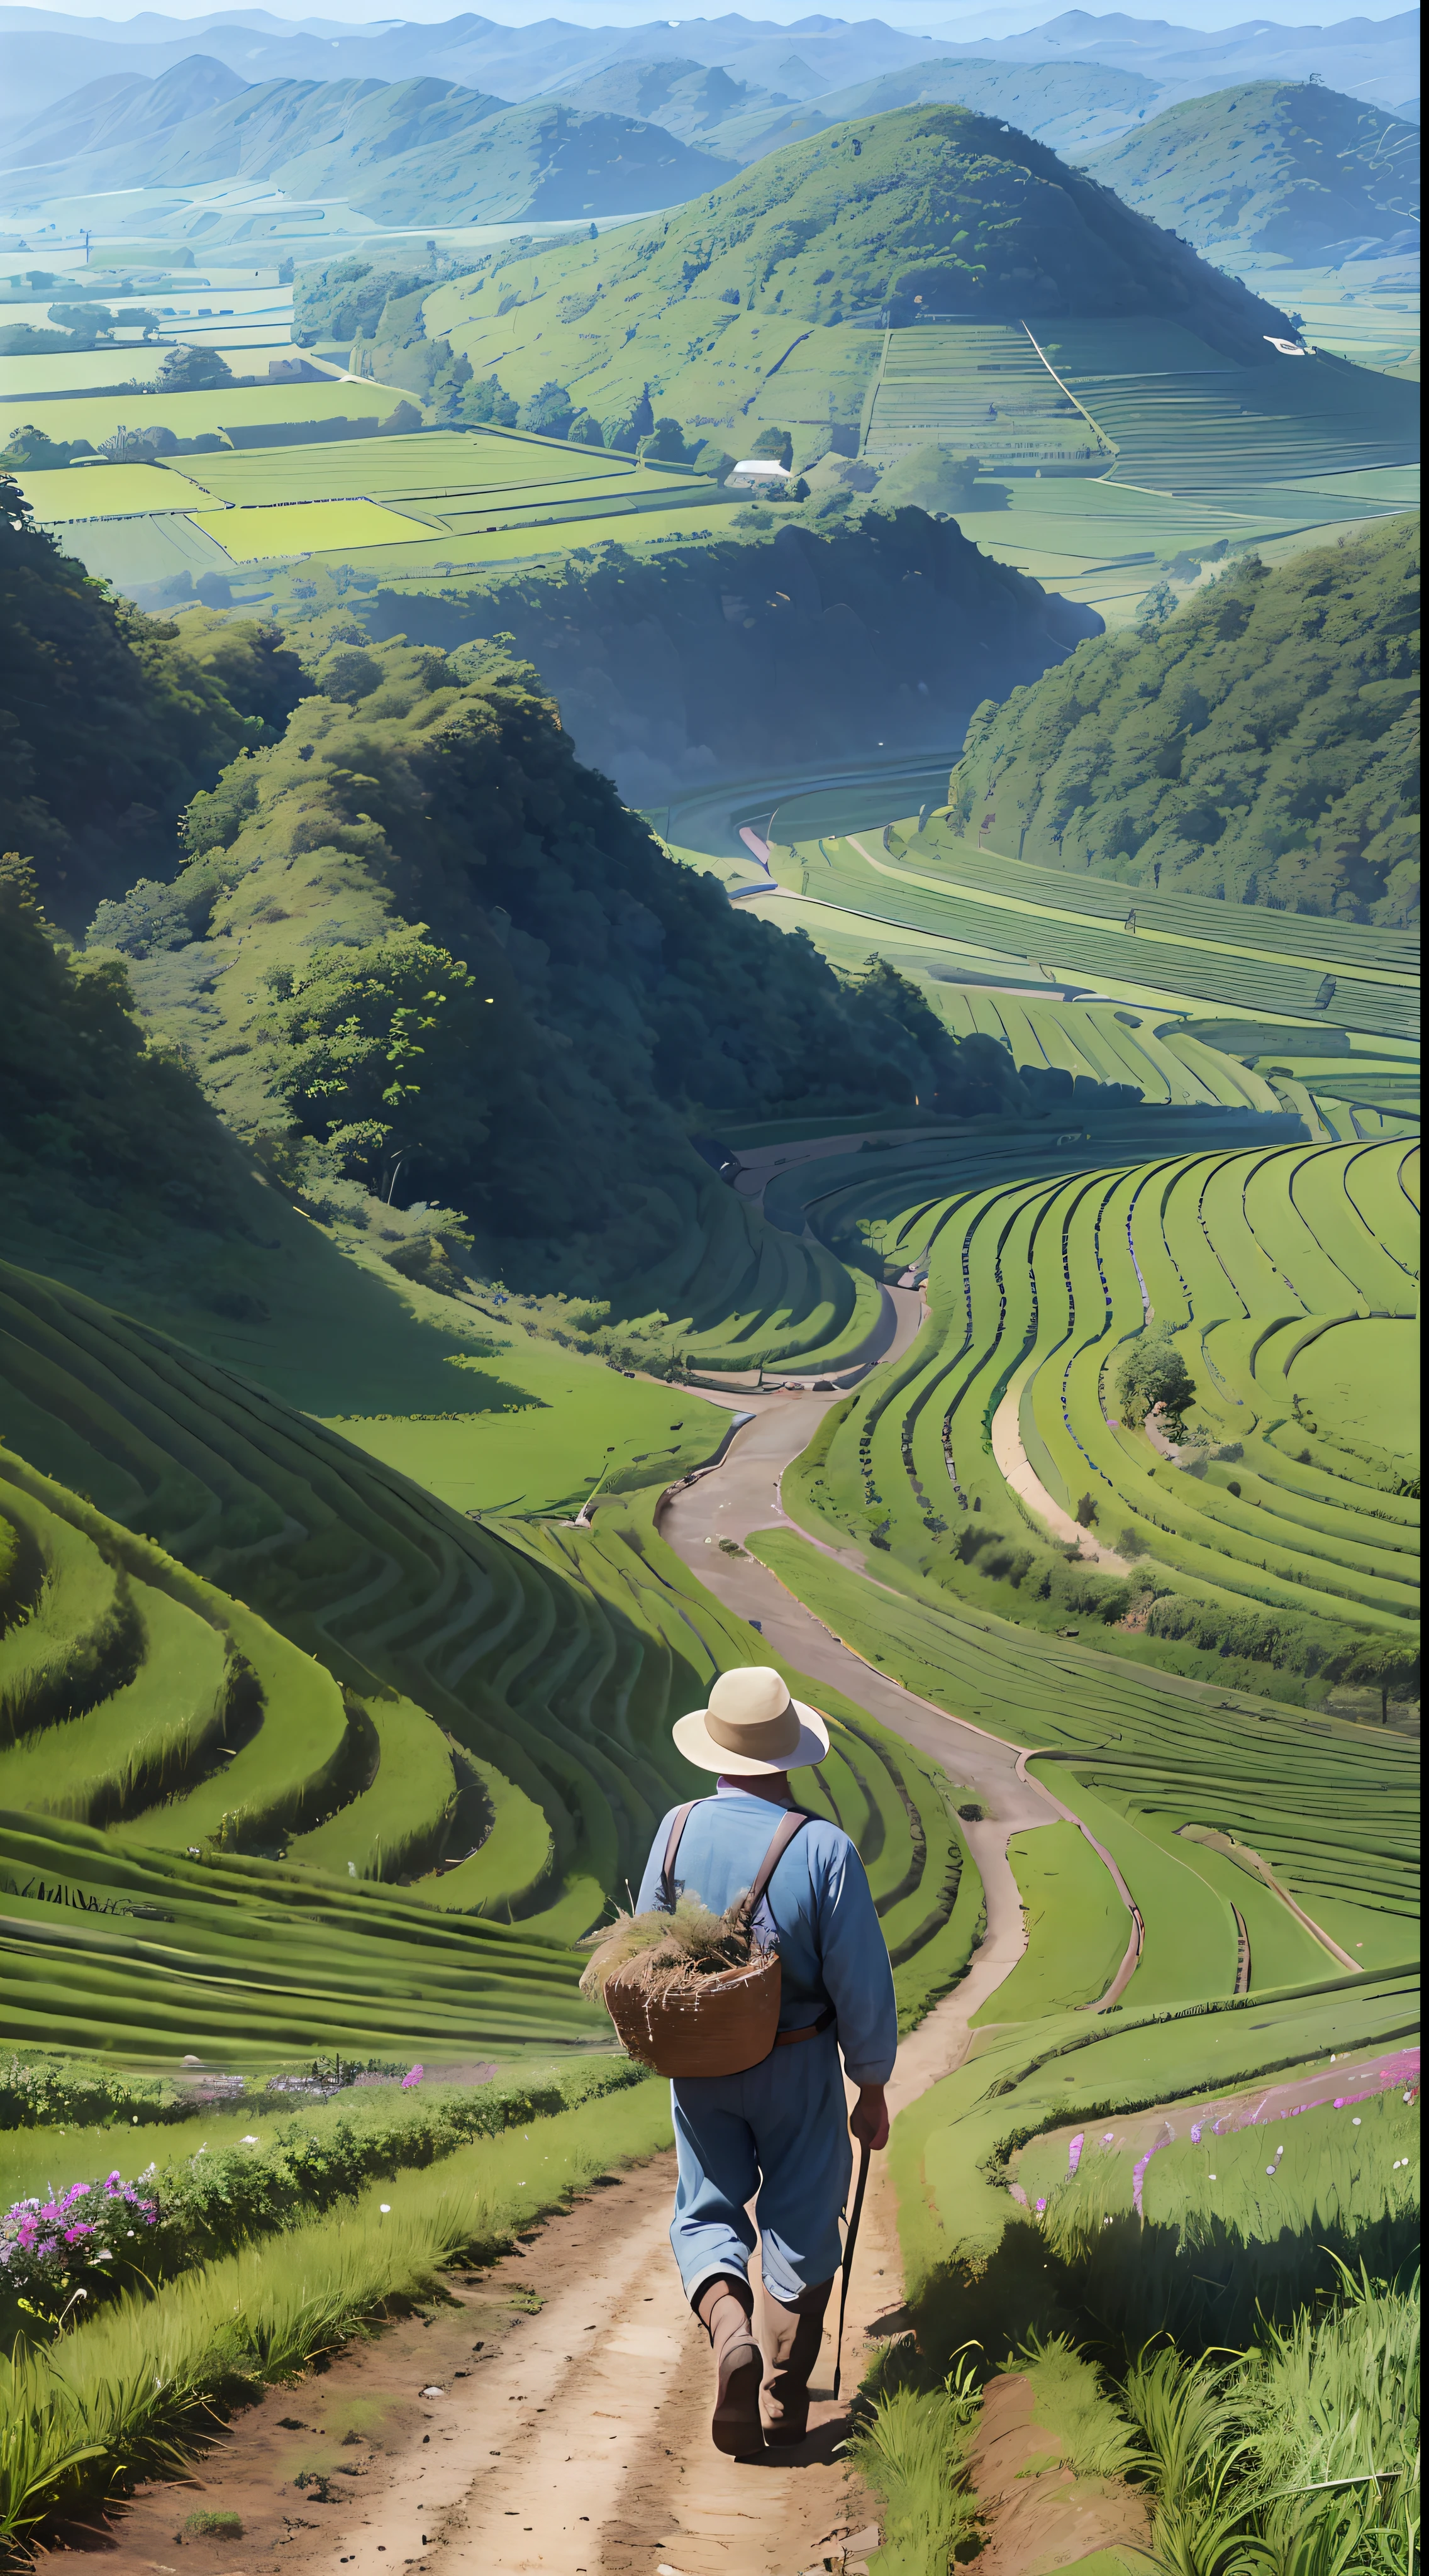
column 76, row 2244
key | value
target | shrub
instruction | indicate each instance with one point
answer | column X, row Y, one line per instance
column 188, row 370
column 1154, row 1372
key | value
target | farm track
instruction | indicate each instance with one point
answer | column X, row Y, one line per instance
column 609, row 2381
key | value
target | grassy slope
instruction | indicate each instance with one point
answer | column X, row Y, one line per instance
column 1282, row 166
column 813, row 233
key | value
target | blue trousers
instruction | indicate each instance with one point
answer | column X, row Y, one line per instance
column 780, row 2129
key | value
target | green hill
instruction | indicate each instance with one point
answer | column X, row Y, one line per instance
column 413, row 151
column 1283, row 166
column 932, row 208
column 1262, row 744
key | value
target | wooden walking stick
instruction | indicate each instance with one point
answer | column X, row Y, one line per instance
column 849, row 2243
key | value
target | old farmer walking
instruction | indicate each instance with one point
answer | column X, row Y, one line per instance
column 778, row 2129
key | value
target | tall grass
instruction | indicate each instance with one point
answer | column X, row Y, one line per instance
column 1298, row 2457
column 914, row 2450
column 129, row 2393
column 1301, row 2458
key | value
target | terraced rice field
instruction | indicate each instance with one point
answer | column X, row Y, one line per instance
column 979, row 389
column 1245, row 958
column 1253, row 1259
column 481, row 1713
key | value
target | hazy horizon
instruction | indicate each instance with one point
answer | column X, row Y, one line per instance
column 930, row 18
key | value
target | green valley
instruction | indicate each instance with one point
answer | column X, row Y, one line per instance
column 708, row 959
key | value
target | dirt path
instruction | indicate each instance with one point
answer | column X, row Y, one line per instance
column 574, row 2439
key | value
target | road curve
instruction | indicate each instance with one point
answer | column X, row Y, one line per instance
column 742, row 1494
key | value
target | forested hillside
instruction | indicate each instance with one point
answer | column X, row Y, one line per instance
column 109, row 720
column 416, row 939
column 813, row 643
column 1285, row 166
column 1262, row 744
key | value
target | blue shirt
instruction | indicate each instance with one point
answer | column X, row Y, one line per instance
column 819, row 1914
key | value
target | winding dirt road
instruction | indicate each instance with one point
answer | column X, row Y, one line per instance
column 574, row 2440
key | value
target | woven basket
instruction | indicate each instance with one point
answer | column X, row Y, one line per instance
column 713, row 2026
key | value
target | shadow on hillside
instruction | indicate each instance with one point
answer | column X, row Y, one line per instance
column 1140, row 2280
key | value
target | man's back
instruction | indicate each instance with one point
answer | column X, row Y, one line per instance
column 819, row 1913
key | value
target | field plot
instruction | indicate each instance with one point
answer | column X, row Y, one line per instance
column 1198, row 452
column 432, row 467
column 1039, row 1292
column 1235, row 436
column 105, row 492
column 1244, row 956
column 255, row 536
column 456, row 497
column 225, row 408
column 981, row 389
column 1094, row 1042
column 1077, row 1927
column 417, row 1696
column 77, row 371
column 966, row 2140
column 1367, row 311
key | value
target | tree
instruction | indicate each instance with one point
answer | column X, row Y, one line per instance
column 549, row 413
column 36, row 449
column 585, row 431
column 932, row 479
column 665, row 444
column 1154, row 1372
column 777, row 444
column 189, row 370
column 485, row 400
column 1389, row 1665
column 401, row 421
column 89, row 322
column 716, row 460
column 626, row 429
column 386, row 1052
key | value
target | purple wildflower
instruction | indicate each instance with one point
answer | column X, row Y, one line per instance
column 1074, row 2153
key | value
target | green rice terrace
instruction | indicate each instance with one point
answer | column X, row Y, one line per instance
column 931, row 1203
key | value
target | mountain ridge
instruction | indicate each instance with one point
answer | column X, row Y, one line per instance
column 1315, row 166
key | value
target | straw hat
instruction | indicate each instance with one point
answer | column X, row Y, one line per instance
column 751, row 1726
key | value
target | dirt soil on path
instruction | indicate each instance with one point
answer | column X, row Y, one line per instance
column 555, row 2417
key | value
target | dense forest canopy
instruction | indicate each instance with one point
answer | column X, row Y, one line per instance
column 826, row 641
column 1262, row 744
column 109, row 719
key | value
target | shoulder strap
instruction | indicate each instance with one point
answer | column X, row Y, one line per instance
column 789, row 1825
column 678, row 1823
